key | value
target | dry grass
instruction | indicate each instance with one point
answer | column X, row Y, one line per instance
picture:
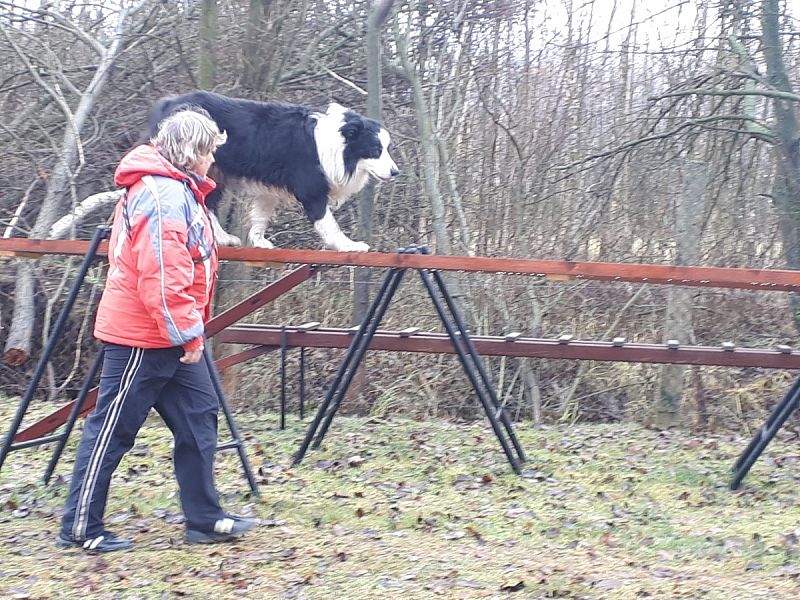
column 406, row 509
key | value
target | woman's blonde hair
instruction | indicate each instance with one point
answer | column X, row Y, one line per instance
column 186, row 136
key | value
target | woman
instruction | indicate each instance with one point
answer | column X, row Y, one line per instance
column 151, row 318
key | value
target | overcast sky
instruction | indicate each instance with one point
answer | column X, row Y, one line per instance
column 659, row 22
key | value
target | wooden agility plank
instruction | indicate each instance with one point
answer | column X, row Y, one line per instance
column 721, row 277
column 429, row 342
column 19, row 254
column 263, row 264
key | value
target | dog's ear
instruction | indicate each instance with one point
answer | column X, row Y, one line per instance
column 352, row 128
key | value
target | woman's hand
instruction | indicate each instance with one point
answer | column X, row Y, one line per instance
column 191, row 357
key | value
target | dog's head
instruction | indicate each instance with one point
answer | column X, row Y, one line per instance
column 366, row 144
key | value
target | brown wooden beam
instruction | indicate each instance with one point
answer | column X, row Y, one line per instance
column 32, row 248
column 752, row 279
column 55, row 419
column 520, row 347
column 259, row 299
column 244, row 356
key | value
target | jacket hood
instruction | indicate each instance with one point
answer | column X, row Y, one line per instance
column 146, row 160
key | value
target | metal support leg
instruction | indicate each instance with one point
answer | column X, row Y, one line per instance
column 302, row 382
column 284, row 347
column 73, row 415
column 764, row 435
column 236, row 442
column 485, row 392
column 478, row 363
column 361, row 350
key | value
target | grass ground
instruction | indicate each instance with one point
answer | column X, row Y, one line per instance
column 405, row 509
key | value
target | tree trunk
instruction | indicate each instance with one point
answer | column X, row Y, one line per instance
column 366, row 200
column 253, row 68
column 207, row 70
column 786, row 187
column 689, row 211
column 430, row 164
column 428, row 147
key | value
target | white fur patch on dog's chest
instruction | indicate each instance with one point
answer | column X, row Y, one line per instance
column 341, row 193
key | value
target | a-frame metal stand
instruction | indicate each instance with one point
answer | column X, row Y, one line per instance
column 8, row 446
column 764, row 435
column 460, row 338
column 61, row 438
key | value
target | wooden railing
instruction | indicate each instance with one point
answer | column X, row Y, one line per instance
column 720, row 277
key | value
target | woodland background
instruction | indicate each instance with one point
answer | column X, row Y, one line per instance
column 624, row 131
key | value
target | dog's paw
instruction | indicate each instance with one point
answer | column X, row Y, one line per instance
column 351, row 246
column 228, row 240
column 261, row 242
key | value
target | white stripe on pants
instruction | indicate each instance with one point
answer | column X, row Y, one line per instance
column 101, row 445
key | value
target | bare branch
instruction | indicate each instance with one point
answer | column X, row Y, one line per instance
column 12, row 224
column 666, row 134
column 345, row 81
column 776, row 94
column 93, row 203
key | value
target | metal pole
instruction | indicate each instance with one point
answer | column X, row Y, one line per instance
column 237, row 440
column 283, row 378
column 302, row 381
column 361, row 350
column 788, row 398
column 478, row 363
column 764, row 436
column 73, row 415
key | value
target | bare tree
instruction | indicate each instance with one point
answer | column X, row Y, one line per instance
column 208, row 35
column 61, row 182
column 377, row 17
column 689, row 213
column 786, row 105
column 408, row 69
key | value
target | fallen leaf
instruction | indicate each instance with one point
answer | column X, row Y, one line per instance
column 512, row 586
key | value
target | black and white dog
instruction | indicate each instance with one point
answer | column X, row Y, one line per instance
column 288, row 153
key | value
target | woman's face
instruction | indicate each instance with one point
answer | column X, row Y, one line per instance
column 204, row 163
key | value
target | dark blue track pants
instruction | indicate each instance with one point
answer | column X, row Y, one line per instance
column 133, row 381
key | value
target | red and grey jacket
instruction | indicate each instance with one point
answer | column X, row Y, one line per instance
column 162, row 257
